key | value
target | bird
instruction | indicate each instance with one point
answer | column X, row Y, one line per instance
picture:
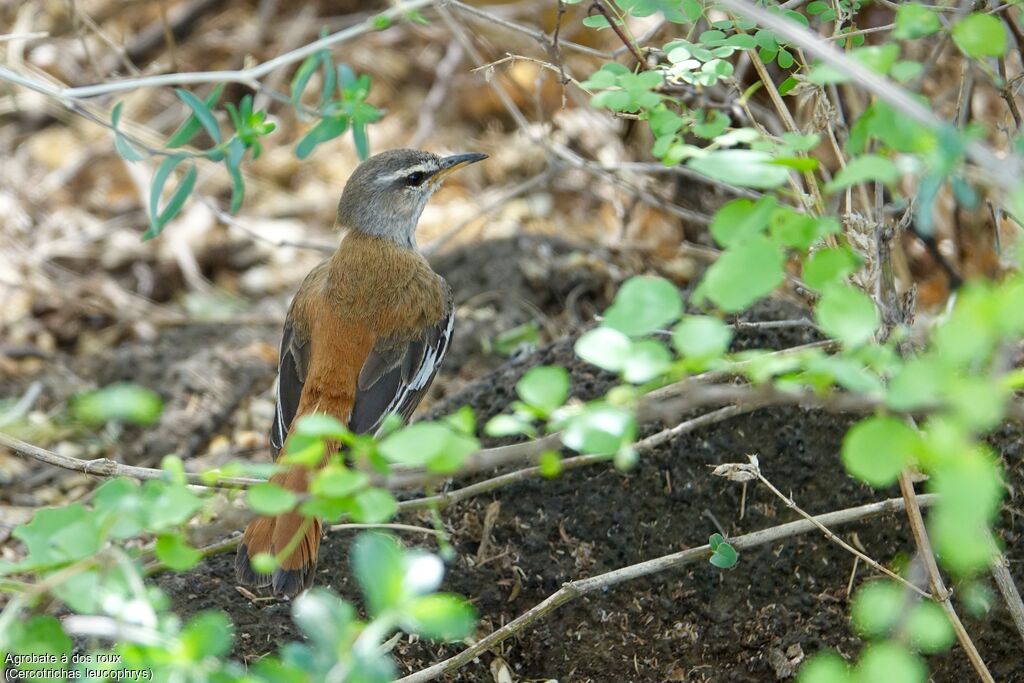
column 363, row 338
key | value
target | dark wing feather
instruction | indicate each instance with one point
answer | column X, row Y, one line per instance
column 397, row 374
column 291, row 376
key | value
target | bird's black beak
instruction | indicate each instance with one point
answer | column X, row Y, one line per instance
column 454, row 162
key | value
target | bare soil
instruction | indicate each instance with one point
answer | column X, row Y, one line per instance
column 753, row 623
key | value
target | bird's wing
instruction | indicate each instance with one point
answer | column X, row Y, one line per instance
column 292, row 369
column 396, row 374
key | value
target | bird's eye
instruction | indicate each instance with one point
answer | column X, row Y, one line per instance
column 415, row 179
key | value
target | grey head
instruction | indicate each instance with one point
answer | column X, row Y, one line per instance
column 386, row 193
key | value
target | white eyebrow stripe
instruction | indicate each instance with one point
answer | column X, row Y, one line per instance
column 425, row 167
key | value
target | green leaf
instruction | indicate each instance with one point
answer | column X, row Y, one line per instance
column 321, row 426
column 126, row 150
column 121, row 144
column 847, row 314
column 302, row 76
column 647, row 359
column 800, row 230
column 744, row 167
column 169, row 504
column 743, row 274
column 980, row 35
column 270, row 499
column 57, row 535
column 157, row 221
column 917, row 384
column 338, row 481
column 121, row 506
column 929, row 628
column 122, row 402
column 643, row 305
column 877, row 607
column 544, row 387
column 360, row 140
column 550, row 463
column 889, row 661
column 604, row 347
column 742, row 218
column 233, row 160
column 877, row 449
column 38, row 634
column 723, row 555
column 440, row 616
column 915, row 21
column 208, row 634
column 462, row 421
column 174, row 552
column 702, row 337
column 824, row 667
column 906, row 70
column 373, row 506
column 380, row 570
column 324, row 130
column 325, row 619
column 187, row 130
column 600, row 429
column 264, row 563
column 862, row 169
column 201, row 112
column 423, row 442
column 508, row 425
column 829, row 266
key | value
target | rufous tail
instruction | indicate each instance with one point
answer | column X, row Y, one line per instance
column 290, row 532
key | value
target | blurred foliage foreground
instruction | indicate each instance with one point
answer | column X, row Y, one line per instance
column 930, row 398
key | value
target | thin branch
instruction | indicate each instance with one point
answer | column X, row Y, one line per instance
column 104, row 467
column 539, row 36
column 790, row 503
column 248, row 76
column 924, row 548
column 1004, row 581
column 680, row 170
column 574, row 589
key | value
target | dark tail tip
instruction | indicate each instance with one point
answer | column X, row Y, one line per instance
column 245, row 573
column 291, row 582
column 284, row 582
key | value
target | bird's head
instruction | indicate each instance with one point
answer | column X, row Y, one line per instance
column 386, row 193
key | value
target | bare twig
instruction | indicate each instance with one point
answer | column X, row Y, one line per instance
column 574, row 589
column 539, row 36
column 249, row 76
column 1008, row 589
column 938, row 586
column 791, row 504
column 104, row 467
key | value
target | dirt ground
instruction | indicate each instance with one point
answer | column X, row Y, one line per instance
column 753, row 623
